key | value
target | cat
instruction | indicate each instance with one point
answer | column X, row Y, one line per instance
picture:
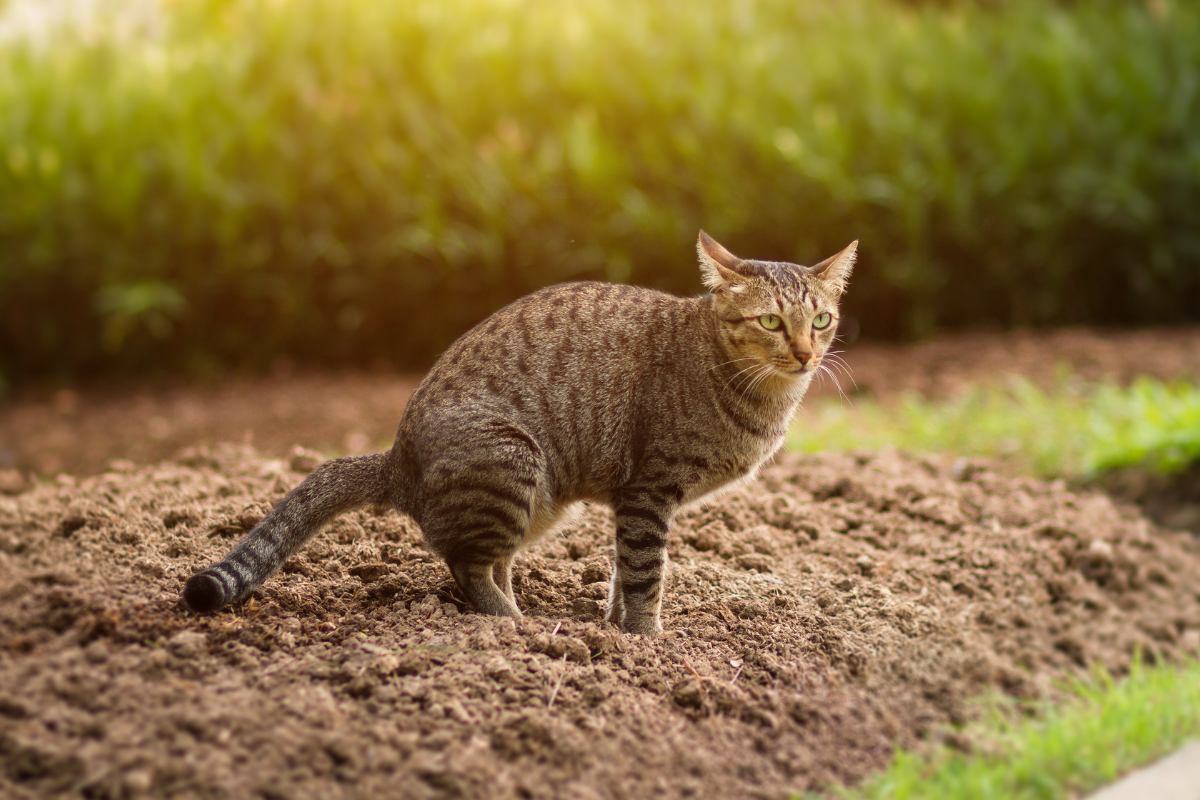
column 580, row 391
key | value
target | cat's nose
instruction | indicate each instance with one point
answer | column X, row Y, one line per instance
column 803, row 356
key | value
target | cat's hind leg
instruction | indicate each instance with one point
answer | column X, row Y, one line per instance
column 478, row 584
column 480, row 495
column 477, row 530
column 502, row 575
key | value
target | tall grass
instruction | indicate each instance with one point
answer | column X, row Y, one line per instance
column 353, row 180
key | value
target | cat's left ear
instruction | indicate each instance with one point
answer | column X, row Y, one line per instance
column 835, row 270
column 719, row 268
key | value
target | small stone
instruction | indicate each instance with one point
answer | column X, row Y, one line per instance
column 865, row 565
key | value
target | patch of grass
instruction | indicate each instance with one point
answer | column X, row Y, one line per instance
column 1074, row 430
column 1106, row 729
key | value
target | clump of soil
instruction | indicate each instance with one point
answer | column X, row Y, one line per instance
column 837, row 608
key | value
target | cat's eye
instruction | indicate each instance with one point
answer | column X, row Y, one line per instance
column 771, row 322
column 821, row 321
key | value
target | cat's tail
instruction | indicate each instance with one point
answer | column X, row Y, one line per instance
column 333, row 488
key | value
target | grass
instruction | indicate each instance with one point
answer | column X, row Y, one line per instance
column 1076, row 430
column 1107, row 728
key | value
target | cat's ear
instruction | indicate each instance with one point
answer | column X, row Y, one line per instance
column 835, row 270
column 719, row 268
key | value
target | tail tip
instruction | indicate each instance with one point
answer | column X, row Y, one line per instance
column 204, row 593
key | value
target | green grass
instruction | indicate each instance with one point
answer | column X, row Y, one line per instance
column 1104, row 730
column 1076, row 430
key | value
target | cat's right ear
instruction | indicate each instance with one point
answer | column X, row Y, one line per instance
column 719, row 268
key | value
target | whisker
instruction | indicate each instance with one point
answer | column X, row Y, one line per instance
column 723, row 363
column 845, row 372
column 762, row 376
column 737, row 374
column 841, row 364
column 833, row 377
column 757, row 378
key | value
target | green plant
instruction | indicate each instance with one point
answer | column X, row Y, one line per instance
column 352, row 181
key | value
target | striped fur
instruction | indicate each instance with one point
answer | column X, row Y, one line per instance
column 582, row 391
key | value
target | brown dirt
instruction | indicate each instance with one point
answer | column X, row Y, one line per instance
column 839, row 607
column 947, row 365
column 80, row 431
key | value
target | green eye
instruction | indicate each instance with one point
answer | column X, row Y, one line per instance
column 771, row 322
column 821, row 321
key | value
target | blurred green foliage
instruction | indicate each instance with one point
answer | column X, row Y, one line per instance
column 361, row 181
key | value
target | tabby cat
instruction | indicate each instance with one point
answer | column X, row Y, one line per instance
column 581, row 391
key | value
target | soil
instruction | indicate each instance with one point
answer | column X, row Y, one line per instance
column 947, row 365
column 1171, row 500
column 44, row 432
column 838, row 607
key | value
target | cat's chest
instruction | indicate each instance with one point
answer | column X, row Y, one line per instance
column 732, row 467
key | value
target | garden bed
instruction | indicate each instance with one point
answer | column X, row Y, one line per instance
column 837, row 608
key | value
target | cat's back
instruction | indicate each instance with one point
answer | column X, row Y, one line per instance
column 568, row 355
column 585, row 329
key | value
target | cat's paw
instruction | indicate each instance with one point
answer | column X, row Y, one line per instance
column 643, row 626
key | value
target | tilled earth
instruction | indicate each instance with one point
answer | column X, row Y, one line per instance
column 836, row 608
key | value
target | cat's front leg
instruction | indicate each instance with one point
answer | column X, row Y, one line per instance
column 637, row 590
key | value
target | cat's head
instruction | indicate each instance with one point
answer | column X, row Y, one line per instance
column 779, row 318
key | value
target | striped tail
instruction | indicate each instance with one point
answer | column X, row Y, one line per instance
column 331, row 489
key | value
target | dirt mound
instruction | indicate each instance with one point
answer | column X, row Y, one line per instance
column 836, row 608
